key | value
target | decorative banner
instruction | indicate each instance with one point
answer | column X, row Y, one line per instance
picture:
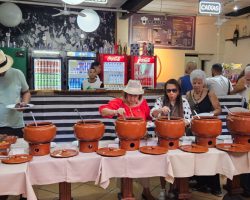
column 165, row 32
column 38, row 30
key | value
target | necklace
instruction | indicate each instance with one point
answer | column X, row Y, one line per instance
column 196, row 100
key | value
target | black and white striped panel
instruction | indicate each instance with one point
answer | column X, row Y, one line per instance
column 229, row 101
column 60, row 111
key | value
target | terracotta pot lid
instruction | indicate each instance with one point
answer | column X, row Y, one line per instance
column 17, row 159
column 111, row 152
column 239, row 148
column 153, row 150
column 194, row 148
column 4, row 145
column 10, row 139
column 64, row 153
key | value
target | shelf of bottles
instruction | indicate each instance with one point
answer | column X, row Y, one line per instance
column 47, row 74
column 114, row 75
column 78, row 65
column 77, row 73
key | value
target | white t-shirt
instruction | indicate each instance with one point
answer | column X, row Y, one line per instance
column 11, row 86
column 86, row 85
column 219, row 84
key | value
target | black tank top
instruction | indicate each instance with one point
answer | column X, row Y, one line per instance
column 205, row 106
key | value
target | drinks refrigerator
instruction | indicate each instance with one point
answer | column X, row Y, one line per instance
column 143, row 68
column 78, row 64
column 114, row 71
column 47, row 68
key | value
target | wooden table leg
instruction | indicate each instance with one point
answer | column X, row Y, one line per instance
column 182, row 187
column 64, row 191
column 233, row 189
column 127, row 189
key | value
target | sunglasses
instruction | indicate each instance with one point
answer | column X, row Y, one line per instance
column 171, row 90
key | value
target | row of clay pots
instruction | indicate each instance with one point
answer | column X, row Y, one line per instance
column 133, row 129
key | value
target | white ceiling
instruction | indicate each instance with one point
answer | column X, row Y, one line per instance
column 169, row 7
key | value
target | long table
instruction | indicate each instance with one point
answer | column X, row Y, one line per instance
column 92, row 167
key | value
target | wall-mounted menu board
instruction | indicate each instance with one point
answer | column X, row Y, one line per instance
column 164, row 31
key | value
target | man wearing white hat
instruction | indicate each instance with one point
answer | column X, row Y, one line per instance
column 13, row 89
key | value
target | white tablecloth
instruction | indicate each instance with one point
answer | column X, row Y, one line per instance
column 15, row 181
column 18, row 179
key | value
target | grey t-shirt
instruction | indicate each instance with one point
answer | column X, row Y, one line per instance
column 12, row 84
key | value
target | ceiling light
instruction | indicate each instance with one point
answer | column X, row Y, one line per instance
column 235, row 8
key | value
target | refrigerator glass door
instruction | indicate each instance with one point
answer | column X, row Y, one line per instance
column 47, row 74
column 77, row 73
column 145, row 73
column 114, row 75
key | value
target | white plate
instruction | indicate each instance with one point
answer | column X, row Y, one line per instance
column 12, row 106
column 206, row 114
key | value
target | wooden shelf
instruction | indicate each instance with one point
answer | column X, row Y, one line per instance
column 240, row 38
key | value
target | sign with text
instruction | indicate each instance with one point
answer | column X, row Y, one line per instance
column 170, row 32
column 209, row 7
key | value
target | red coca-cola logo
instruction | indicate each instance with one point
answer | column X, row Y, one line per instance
column 144, row 60
column 114, row 58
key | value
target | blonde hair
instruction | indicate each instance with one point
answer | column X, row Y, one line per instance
column 190, row 66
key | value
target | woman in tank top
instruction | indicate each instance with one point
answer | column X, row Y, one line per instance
column 204, row 101
column 200, row 98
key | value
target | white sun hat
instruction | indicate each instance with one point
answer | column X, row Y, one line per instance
column 134, row 87
column 5, row 62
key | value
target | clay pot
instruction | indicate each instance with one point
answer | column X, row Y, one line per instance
column 89, row 130
column 130, row 128
column 206, row 129
column 169, row 131
column 172, row 129
column 239, row 123
column 206, row 126
column 44, row 132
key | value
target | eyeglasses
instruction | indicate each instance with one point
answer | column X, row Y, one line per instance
column 171, row 90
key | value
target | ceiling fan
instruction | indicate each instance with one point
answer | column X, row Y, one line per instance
column 67, row 12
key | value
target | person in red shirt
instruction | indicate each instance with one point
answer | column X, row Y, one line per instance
column 131, row 104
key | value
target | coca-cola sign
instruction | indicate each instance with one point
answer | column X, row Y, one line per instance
column 110, row 58
column 144, row 59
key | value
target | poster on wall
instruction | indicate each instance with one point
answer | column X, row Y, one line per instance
column 40, row 30
column 172, row 32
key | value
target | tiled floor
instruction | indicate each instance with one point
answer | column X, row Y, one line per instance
column 89, row 191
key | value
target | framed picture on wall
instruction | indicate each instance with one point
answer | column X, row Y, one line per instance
column 171, row 32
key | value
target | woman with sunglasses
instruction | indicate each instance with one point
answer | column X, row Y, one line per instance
column 172, row 102
column 203, row 100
